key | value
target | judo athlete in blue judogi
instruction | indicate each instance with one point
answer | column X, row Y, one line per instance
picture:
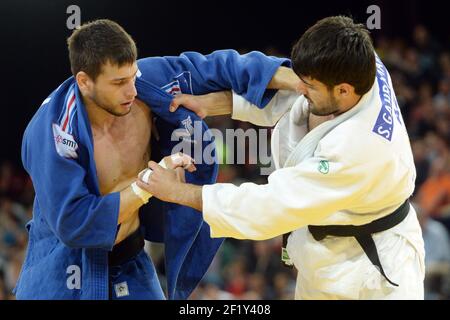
column 84, row 148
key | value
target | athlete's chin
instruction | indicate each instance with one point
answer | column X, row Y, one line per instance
column 120, row 111
column 123, row 113
column 322, row 113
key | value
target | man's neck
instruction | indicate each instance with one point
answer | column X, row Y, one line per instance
column 350, row 103
column 99, row 118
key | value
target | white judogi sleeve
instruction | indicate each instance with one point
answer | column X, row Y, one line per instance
column 333, row 177
column 268, row 117
column 293, row 198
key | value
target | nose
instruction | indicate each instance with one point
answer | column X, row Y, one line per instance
column 131, row 91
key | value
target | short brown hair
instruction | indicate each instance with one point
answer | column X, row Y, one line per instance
column 336, row 50
column 97, row 42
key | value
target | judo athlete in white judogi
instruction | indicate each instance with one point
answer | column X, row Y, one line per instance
column 341, row 185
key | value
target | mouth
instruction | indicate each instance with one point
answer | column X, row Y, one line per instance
column 127, row 104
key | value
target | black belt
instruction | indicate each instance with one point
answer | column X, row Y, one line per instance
column 126, row 249
column 363, row 234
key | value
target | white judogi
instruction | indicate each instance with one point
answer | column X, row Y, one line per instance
column 350, row 170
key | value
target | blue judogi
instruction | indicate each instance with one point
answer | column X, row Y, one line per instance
column 74, row 226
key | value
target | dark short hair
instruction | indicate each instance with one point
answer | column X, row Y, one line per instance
column 336, row 50
column 97, row 42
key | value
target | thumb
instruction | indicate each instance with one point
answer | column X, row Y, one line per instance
column 178, row 100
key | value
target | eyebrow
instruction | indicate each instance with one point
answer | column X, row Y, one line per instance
column 120, row 79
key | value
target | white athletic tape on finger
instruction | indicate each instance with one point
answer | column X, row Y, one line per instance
column 146, row 175
column 162, row 163
column 141, row 174
column 176, row 159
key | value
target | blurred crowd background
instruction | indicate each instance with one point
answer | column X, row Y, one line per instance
column 420, row 70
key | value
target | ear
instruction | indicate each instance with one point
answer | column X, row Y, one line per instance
column 84, row 81
column 344, row 90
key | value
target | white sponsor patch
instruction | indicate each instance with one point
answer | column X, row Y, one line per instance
column 65, row 143
column 121, row 289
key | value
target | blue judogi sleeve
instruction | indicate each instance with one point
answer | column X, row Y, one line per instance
column 189, row 249
column 76, row 215
column 248, row 75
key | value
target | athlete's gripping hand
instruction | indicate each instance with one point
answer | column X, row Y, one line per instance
column 174, row 166
column 163, row 181
column 211, row 104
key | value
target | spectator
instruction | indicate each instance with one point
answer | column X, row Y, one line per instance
column 437, row 258
column 434, row 195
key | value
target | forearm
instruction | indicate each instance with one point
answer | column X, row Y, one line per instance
column 188, row 195
column 129, row 204
column 219, row 103
column 284, row 79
